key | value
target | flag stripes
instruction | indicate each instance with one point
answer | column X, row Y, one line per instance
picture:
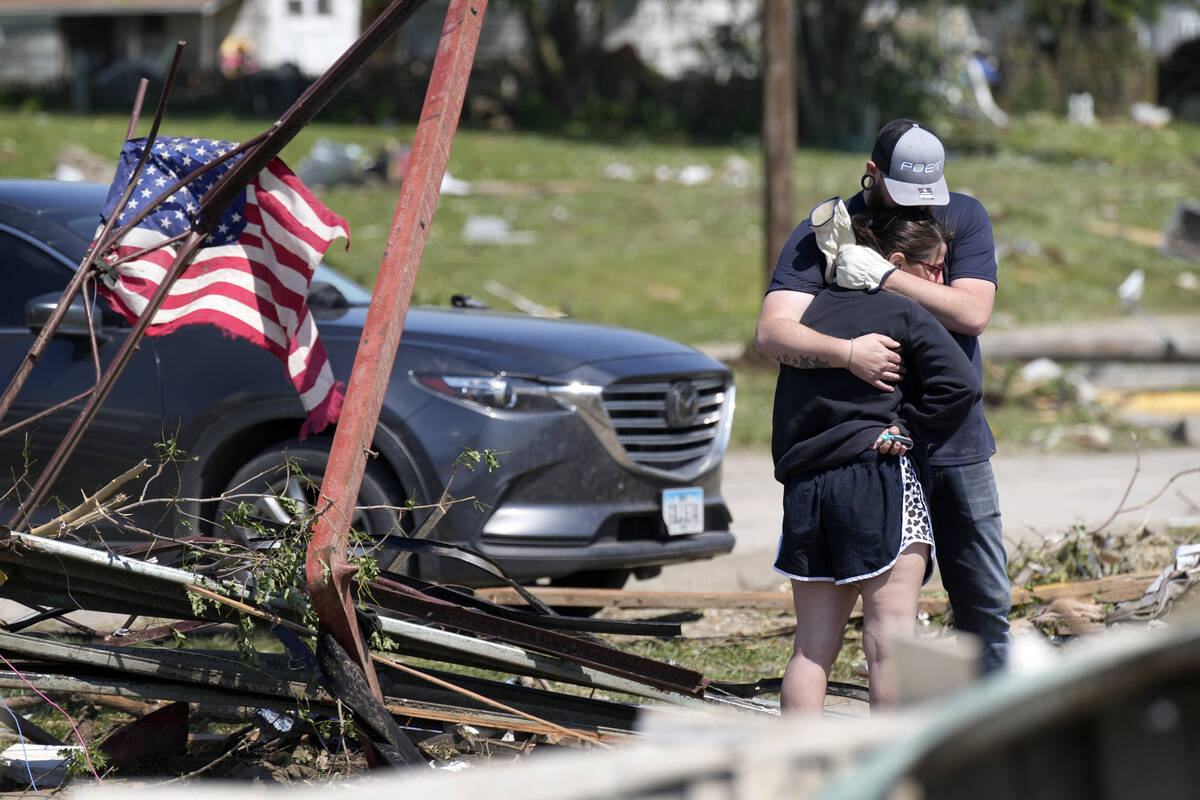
column 251, row 279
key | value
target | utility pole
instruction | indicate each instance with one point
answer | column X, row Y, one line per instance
column 779, row 124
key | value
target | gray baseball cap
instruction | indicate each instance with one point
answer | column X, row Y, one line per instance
column 911, row 159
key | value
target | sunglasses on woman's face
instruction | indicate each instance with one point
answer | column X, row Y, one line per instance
column 936, row 268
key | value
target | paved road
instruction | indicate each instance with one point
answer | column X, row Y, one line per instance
column 1040, row 495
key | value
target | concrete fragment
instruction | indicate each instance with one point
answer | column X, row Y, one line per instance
column 42, row 761
column 929, row 667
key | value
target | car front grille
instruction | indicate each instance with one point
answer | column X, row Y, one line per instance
column 671, row 425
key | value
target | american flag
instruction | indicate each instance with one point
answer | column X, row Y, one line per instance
column 252, row 275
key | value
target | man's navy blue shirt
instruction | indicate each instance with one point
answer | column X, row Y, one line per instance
column 971, row 254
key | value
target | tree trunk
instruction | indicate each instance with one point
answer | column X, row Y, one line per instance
column 779, row 125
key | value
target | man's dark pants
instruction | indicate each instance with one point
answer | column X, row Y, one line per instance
column 965, row 511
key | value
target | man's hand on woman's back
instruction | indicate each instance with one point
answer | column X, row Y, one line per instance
column 874, row 359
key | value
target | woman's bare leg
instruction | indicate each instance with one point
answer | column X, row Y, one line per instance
column 890, row 604
column 822, row 609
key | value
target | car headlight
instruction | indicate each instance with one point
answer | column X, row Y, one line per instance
column 506, row 392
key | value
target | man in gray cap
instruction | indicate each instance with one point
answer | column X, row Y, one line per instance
column 905, row 170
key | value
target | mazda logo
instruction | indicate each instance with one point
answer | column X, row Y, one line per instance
column 681, row 405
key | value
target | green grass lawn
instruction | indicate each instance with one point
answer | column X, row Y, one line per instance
column 688, row 262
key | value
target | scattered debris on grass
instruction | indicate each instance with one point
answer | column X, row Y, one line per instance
column 230, row 687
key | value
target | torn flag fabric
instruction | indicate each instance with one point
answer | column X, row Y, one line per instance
column 251, row 277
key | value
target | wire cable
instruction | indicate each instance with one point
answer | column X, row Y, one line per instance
column 24, row 749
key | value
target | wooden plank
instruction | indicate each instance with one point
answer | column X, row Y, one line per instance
column 627, row 598
column 932, row 602
column 1130, row 233
column 1109, row 589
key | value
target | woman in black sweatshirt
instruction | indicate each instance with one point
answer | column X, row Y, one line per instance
column 855, row 518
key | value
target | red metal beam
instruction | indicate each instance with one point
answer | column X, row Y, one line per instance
column 329, row 574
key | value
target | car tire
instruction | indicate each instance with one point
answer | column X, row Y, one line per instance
column 265, row 478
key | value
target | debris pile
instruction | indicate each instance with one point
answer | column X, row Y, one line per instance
column 307, row 707
column 150, row 702
column 1086, row 581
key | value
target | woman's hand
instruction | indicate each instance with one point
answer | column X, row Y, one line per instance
column 892, row 442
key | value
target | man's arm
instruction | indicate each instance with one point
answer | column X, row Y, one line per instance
column 965, row 306
column 780, row 335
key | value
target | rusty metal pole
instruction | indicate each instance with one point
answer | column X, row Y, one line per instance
column 329, row 574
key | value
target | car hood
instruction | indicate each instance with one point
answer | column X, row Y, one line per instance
column 515, row 343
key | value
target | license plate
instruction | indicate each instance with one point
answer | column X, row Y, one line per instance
column 683, row 510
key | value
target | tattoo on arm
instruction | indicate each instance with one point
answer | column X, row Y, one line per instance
column 803, row 362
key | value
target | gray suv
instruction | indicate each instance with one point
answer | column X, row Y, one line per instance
column 609, row 440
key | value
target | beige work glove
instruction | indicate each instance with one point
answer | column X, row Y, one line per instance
column 830, row 222
column 860, row 267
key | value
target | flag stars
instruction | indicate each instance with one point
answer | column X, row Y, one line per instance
column 174, row 206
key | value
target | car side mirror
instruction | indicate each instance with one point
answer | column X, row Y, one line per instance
column 74, row 324
column 326, row 295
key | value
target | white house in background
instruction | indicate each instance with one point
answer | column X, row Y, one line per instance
column 308, row 33
column 43, row 40
column 675, row 36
